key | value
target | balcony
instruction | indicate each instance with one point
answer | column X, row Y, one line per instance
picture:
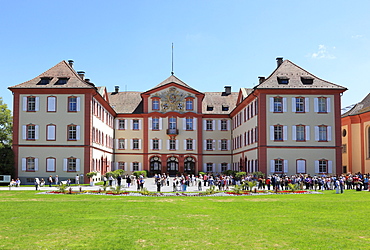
column 172, row 131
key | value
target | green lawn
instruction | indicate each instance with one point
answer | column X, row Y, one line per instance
column 305, row 221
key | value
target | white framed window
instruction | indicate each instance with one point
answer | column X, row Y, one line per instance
column 155, row 144
column 122, row 165
column 121, row 144
column 189, row 144
column 121, row 124
column 322, row 104
column 50, row 164
column 155, row 104
column 73, row 104
column 224, row 125
column 31, row 132
column 209, row 125
column 209, row 144
column 209, row 167
column 71, row 164
column 135, row 166
column 73, row 132
column 189, row 104
column 155, row 123
column 279, row 166
column 51, row 104
column 224, row 144
column 189, row 124
column 51, row 131
column 301, row 166
column 30, row 164
column 172, row 144
column 31, row 103
column 323, row 166
column 135, row 143
column 135, row 124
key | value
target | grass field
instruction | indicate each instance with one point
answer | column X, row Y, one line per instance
column 326, row 221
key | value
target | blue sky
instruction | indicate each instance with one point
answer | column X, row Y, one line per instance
column 216, row 43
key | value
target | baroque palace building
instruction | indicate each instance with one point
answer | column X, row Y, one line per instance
column 64, row 125
column 356, row 138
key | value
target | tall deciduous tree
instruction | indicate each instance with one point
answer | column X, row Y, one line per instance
column 6, row 130
column 6, row 127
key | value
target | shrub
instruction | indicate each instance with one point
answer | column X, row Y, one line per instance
column 91, row 174
column 240, row 174
column 138, row 173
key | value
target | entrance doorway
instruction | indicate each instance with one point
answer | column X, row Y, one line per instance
column 155, row 166
column 172, row 166
column 189, row 165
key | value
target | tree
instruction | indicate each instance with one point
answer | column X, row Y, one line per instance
column 6, row 152
column 6, row 127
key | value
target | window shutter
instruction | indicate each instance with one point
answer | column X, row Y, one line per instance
column 328, row 102
column 160, row 123
column 294, row 133
column 78, row 162
column 330, row 167
column 78, row 102
column 24, row 132
column 37, row 103
column 116, row 146
column 271, row 104
column 51, row 103
column 150, row 123
column 131, row 144
column 228, row 144
column 50, row 164
column 116, row 165
column 205, row 167
column 160, row 144
column 184, row 144
column 131, row 166
column 204, row 125
column 65, row 164
column 205, row 144
column 168, row 144
column 316, row 105
column 284, row 105
column 293, row 105
column 195, row 124
column 24, row 103
column 271, row 133
column 151, row 144
column 307, row 128
column 213, row 124
column 301, row 166
column 51, row 132
column 285, row 133
column 177, row 144
column 139, row 143
column 139, row 124
column 228, row 125
column 78, row 132
column 194, row 144
column 24, row 164
column 219, row 125
column 117, row 123
column 126, row 144
column 36, row 164
column 316, row 133
column 286, row 167
column 219, row 144
column 36, row 132
column 316, row 166
column 131, row 124
column 213, row 145
column 140, row 166
column 184, row 123
column 329, row 132
column 272, row 166
column 306, row 104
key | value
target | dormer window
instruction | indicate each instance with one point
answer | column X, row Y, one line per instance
column 225, row 108
column 61, row 81
column 44, row 80
column 283, row 80
column 209, row 108
column 307, row 80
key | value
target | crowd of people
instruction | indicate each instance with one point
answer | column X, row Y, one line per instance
column 223, row 182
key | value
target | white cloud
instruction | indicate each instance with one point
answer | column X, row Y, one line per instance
column 357, row 36
column 323, row 53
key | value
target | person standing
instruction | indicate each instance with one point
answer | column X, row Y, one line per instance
column 105, row 180
column 56, row 180
column 37, row 183
column 119, row 179
column 50, row 180
column 110, row 180
column 77, row 179
column 128, row 181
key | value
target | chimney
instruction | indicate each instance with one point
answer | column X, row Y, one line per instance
column 227, row 90
column 70, row 62
column 87, row 80
column 261, row 79
column 81, row 74
column 279, row 61
column 116, row 89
